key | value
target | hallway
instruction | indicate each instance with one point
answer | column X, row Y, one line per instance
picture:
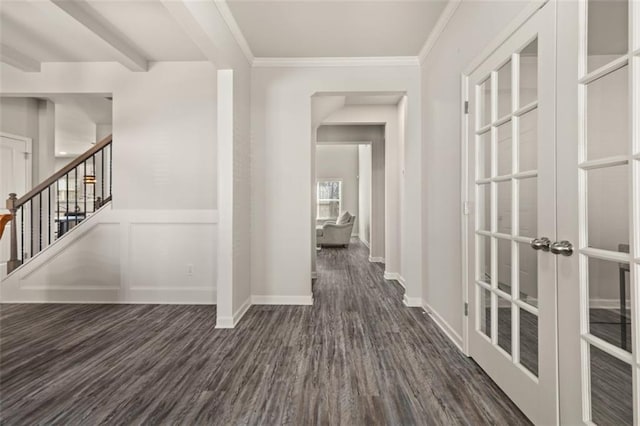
column 358, row 356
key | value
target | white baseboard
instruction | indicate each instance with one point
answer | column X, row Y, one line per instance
column 376, row 259
column 455, row 338
column 396, row 277
column 231, row 322
column 412, row 302
column 281, row 300
column 366, row 243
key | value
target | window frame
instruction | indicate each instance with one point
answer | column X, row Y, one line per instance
column 319, row 200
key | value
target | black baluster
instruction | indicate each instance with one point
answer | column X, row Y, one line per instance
column 22, row 250
column 57, row 210
column 75, row 178
column 110, row 168
column 95, row 175
column 40, row 222
column 31, row 225
column 84, row 188
column 102, row 174
column 67, row 216
column 49, row 215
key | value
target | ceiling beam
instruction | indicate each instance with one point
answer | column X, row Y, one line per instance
column 125, row 53
column 11, row 56
column 192, row 27
column 206, row 23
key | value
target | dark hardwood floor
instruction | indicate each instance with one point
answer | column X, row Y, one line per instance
column 357, row 356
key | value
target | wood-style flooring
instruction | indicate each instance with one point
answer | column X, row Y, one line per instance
column 358, row 356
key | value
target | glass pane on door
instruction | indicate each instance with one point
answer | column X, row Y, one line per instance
column 529, row 73
column 529, row 341
column 528, row 274
column 610, row 302
column 611, row 389
column 607, row 31
column 504, row 147
column 528, row 141
column 504, row 90
column 608, row 207
column 608, row 115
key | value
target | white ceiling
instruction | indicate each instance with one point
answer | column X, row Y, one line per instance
column 312, row 28
column 146, row 30
column 44, row 32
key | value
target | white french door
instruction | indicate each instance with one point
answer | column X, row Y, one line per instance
column 599, row 211
column 512, row 283
column 554, row 156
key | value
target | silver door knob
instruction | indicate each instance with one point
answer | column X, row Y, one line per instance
column 541, row 244
column 564, row 248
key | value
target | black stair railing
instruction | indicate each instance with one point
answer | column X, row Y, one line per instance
column 59, row 203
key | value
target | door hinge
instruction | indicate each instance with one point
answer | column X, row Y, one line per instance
column 466, row 309
column 465, row 208
column 466, row 107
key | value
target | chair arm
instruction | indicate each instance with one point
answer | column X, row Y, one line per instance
column 334, row 226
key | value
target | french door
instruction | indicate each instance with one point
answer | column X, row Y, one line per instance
column 599, row 211
column 512, row 174
column 554, row 156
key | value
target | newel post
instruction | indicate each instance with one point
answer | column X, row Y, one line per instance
column 13, row 259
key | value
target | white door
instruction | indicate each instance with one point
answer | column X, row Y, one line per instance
column 15, row 176
column 599, row 211
column 511, row 285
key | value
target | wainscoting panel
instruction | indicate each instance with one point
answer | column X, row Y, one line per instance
column 124, row 256
column 172, row 256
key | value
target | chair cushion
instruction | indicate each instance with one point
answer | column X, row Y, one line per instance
column 343, row 218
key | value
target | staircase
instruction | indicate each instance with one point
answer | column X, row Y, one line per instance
column 51, row 209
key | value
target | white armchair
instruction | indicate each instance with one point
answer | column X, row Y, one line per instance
column 336, row 233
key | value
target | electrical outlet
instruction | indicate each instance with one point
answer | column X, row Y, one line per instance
column 189, row 269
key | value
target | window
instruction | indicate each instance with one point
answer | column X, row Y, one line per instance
column 329, row 199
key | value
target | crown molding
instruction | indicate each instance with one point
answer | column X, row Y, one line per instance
column 438, row 29
column 377, row 61
column 231, row 22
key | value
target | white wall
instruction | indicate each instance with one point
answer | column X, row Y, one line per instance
column 341, row 162
column 164, row 146
column 364, row 191
column 46, row 139
column 75, row 132
column 151, row 112
column 19, row 116
column 281, row 120
column 473, row 26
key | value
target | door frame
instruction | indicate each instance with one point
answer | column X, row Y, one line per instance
column 28, row 143
column 29, row 160
column 465, row 207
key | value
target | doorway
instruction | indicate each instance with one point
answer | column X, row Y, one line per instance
column 15, row 177
column 552, row 233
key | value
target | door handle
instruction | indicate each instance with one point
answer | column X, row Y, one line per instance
column 564, row 248
column 540, row 244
